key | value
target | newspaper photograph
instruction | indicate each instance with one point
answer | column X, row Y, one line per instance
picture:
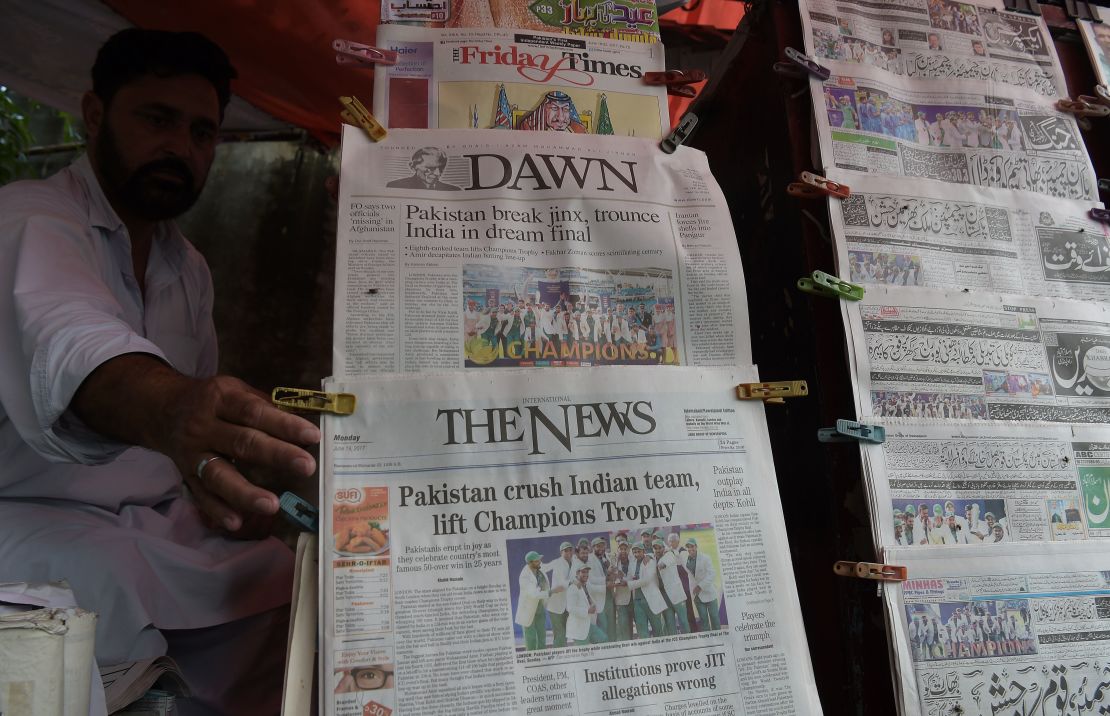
column 954, row 137
column 592, row 543
column 486, row 78
column 1009, row 630
column 920, row 353
column 948, row 482
column 626, row 20
column 467, row 249
column 1096, row 36
column 893, row 232
column 966, row 44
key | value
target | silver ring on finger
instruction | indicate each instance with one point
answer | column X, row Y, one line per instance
column 204, row 463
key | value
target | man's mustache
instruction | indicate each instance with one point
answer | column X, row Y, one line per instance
column 168, row 165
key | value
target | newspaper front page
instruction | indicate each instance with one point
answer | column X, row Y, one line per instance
column 921, row 353
column 899, row 233
column 1002, row 630
column 488, row 78
column 936, row 45
column 628, row 20
column 984, row 140
column 487, row 249
column 950, row 482
column 595, row 542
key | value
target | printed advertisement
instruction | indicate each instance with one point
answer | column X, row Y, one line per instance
column 926, row 354
column 953, row 137
column 894, row 232
column 469, row 250
column 593, row 544
column 1003, row 631
column 501, row 79
column 627, row 20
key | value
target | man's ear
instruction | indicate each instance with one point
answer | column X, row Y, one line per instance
column 92, row 111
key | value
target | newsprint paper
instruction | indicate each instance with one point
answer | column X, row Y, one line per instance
column 487, row 78
column 900, row 233
column 599, row 542
column 494, row 249
column 1003, row 631
column 921, row 353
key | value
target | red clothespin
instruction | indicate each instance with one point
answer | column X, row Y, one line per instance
column 1083, row 108
column 813, row 186
column 356, row 53
column 802, row 64
column 677, row 81
column 871, row 570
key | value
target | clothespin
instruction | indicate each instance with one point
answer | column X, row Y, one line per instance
column 356, row 53
column 313, row 401
column 1103, row 94
column 826, row 285
column 1080, row 10
column 299, row 512
column 772, row 392
column 1103, row 184
column 802, row 65
column 680, row 134
column 677, row 81
column 871, row 570
column 847, row 431
column 356, row 114
column 1082, row 108
column 1102, row 215
column 815, row 186
column 1028, row 7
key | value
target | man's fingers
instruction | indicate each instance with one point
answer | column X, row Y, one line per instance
column 232, row 495
column 257, row 448
column 255, row 411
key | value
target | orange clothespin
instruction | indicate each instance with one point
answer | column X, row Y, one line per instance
column 1085, row 106
column 677, row 82
column 814, row 186
column 358, row 54
column 871, row 570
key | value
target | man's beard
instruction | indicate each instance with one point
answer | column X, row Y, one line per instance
column 142, row 192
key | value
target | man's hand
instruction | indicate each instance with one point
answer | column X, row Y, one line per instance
column 138, row 399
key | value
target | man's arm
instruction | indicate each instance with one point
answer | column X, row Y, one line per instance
column 138, row 399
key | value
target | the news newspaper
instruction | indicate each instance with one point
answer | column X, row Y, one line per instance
column 588, row 541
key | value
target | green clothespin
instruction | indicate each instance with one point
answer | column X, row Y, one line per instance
column 829, row 286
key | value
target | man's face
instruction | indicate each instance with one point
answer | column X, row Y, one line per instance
column 534, row 565
column 153, row 144
column 622, row 549
column 583, row 576
column 567, row 553
column 599, row 549
column 583, row 553
column 692, row 550
column 428, row 170
column 658, row 549
column 556, row 115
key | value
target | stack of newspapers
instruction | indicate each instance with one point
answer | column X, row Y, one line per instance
column 982, row 345
column 550, row 499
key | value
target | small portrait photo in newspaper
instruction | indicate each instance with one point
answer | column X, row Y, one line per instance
column 600, row 587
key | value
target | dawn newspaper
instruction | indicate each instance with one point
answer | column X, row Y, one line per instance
column 475, row 249
column 586, row 541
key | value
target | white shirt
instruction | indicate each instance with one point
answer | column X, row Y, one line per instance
column 69, row 302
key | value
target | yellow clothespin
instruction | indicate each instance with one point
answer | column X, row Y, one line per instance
column 356, row 114
column 772, row 392
column 314, row 401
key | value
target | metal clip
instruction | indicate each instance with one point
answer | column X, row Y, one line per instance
column 356, row 114
column 314, row 401
column 677, row 81
column 826, row 285
column 1083, row 108
column 773, row 391
column 300, row 512
column 815, row 186
column 1102, row 215
column 871, row 570
column 356, row 53
column 1103, row 94
column 681, row 133
column 850, row 431
column 807, row 63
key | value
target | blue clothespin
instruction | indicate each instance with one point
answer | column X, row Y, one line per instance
column 826, row 285
column 299, row 512
column 847, row 431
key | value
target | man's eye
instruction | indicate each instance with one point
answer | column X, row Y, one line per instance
column 157, row 120
column 204, row 135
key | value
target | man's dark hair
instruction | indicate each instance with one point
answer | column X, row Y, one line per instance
column 132, row 53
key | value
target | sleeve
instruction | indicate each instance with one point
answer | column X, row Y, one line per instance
column 647, row 573
column 706, row 582
column 577, row 604
column 529, row 587
column 58, row 321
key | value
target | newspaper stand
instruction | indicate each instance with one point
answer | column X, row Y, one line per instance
column 757, row 130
